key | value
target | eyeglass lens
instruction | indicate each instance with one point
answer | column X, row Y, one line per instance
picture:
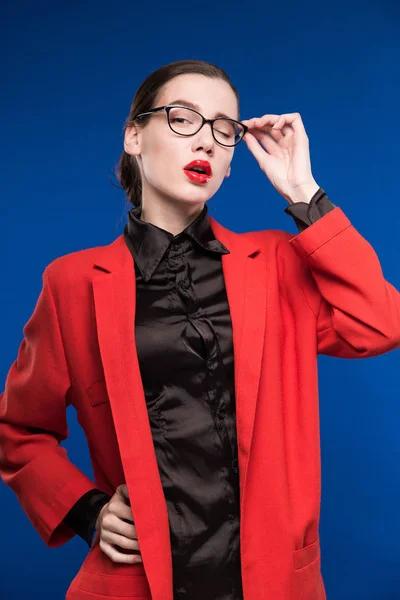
column 187, row 122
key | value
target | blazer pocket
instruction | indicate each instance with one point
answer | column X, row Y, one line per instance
column 97, row 393
column 305, row 556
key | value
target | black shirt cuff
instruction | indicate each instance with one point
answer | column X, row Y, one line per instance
column 305, row 214
column 83, row 515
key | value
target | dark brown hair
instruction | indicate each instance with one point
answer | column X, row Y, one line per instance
column 146, row 97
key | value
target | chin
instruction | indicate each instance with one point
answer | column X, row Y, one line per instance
column 189, row 194
column 194, row 196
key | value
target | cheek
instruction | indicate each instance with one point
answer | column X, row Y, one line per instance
column 224, row 166
column 156, row 161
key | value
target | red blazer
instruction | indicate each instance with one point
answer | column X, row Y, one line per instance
column 291, row 297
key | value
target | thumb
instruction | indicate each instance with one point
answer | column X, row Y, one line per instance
column 259, row 154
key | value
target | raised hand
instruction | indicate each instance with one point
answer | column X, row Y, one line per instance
column 280, row 145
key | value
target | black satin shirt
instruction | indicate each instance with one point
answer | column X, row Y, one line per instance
column 184, row 344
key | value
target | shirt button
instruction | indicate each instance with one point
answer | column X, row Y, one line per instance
column 210, row 363
column 235, row 467
column 221, row 413
column 184, row 284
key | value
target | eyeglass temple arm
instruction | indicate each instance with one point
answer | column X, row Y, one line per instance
column 150, row 112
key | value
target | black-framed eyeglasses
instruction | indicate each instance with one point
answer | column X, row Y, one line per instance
column 186, row 121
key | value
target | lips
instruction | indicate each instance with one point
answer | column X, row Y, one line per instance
column 202, row 165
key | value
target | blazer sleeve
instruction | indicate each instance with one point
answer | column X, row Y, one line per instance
column 33, row 424
column 305, row 214
column 357, row 310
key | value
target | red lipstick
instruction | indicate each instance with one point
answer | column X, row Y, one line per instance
column 198, row 171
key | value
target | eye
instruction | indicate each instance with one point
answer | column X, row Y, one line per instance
column 179, row 119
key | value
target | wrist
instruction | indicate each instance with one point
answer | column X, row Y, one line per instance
column 98, row 519
column 303, row 193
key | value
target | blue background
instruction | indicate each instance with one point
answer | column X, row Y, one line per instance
column 70, row 71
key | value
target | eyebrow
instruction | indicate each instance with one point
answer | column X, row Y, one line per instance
column 197, row 107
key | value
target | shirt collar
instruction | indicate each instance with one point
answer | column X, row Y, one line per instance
column 149, row 243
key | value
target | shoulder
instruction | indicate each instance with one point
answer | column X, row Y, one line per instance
column 75, row 267
column 279, row 243
column 270, row 241
column 296, row 282
column 293, row 272
column 267, row 239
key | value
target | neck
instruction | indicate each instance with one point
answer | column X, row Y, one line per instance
column 169, row 215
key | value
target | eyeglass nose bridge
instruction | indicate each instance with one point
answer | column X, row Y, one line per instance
column 211, row 121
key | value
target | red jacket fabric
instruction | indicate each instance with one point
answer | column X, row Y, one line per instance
column 291, row 297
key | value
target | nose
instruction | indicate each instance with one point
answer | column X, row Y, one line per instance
column 203, row 139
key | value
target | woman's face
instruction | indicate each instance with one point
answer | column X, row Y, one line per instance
column 163, row 154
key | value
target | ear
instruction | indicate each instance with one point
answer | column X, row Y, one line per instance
column 228, row 171
column 132, row 140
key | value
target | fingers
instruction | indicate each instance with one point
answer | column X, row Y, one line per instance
column 265, row 139
column 261, row 129
column 120, row 509
column 277, row 126
column 264, row 121
column 118, row 540
column 255, row 149
column 125, row 543
column 118, row 557
column 278, row 134
column 118, row 536
column 112, row 523
column 292, row 119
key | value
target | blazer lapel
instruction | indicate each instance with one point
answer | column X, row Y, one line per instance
column 115, row 301
column 245, row 277
column 114, row 292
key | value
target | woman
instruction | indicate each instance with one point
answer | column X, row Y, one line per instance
column 189, row 352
